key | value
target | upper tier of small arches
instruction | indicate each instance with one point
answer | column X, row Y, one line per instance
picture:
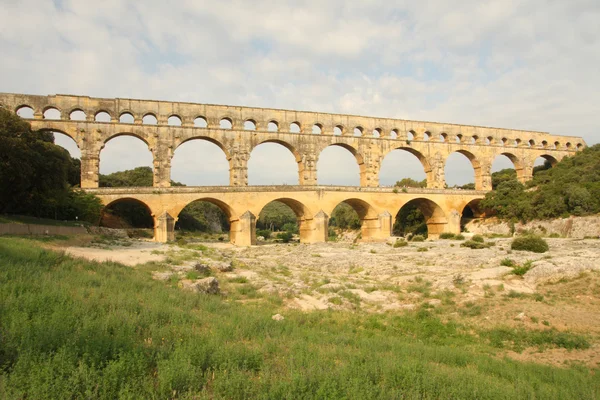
column 258, row 119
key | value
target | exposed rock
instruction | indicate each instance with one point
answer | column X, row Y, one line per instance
column 560, row 268
column 521, row 316
column 434, row 302
column 162, row 276
column 202, row 268
column 277, row 317
column 572, row 227
column 208, row 285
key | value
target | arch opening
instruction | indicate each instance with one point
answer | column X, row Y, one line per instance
column 338, row 130
column 394, row 134
column 358, row 131
column 352, row 215
column 543, row 162
column 131, row 214
column 274, row 163
column 340, row 164
column 272, row 126
column 404, row 167
column 77, row 115
column 226, row 123
column 126, row 118
column 67, row 143
column 472, row 211
column 25, row 112
column 149, row 119
column 377, row 132
column 126, row 160
column 102, row 116
column 282, row 220
column 249, row 125
column 295, row 127
column 317, row 129
column 419, row 216
column 462, row 171
column 52, row 113
column 200, row 162
column 505, row 167
column 204, row 219
column 174, row 120
column 200, row 122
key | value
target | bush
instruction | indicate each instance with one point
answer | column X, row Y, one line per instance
column 477, row 238
column 417, row 238
column 400, row 243
column 507, row 262
column 264, row 233
column 534, row 244
column 474, row 245
column 447, row 235
column 285, row 237
column 460, row 236
column 521, row 270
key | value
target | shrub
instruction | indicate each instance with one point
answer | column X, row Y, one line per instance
column 285, row 237
column 459, row 237
column 417, row 238
column 447, row 235
column 522, row 269
column 422, row 249
column 477, row 238
column 400, row 243
column 507, row 262
column 474, row 245
column 534, row 244
column 264, row 233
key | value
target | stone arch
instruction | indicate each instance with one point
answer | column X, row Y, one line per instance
column 369, row 219
column 298, row 158
column 128, row 212
column 357, row 156
column 123, row 117
column 200, row 122
column 303, row 215
column 77, row 114
column 124, row 159
column 475, row 163
column 427, row 169
column 273, row 126
column 150, row 119
column 434, row 215
column 25, row 111
column 226, row 123
column 317, row 128
column 338, row 130
column 223, row 206
column 295, row 127
column 174, row 120
column 215, row 175
column 99, row 116
column 519, row 166
column 50, row 110
column 70, row 135
column 250, row 124
column 469, row 212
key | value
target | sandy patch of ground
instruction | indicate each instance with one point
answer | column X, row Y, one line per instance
column 139, row 252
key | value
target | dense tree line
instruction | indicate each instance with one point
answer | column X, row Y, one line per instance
column 571, row 187
column 39, row 178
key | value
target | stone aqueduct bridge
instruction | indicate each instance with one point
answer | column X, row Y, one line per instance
column 238, row 130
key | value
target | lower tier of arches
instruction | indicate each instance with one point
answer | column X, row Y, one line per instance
column 376, row 209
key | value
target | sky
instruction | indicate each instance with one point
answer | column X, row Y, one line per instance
column 527, row 64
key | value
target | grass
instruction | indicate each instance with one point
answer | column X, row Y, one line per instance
column 77, row 329
column 25, row 219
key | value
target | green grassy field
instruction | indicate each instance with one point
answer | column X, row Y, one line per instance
column 76, row 329
column 24, row 219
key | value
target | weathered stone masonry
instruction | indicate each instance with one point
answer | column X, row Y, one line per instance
column 368, row 139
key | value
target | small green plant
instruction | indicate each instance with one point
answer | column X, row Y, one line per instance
column 285, row 237
column 447, row 235
column 478, row 238
column 337, row 300
column 417, row 238
column 372, row 251
column 400, row 243
column 554, row 235
column 192, row 275
column 474, row 245
column 422, row 249
column 507, row 262
column 460, row 236
column 534, row 244
column 264, row 233
column 521, row 270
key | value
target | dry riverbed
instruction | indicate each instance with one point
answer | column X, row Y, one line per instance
column 561, row 290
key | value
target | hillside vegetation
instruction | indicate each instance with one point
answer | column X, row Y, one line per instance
column 571, row 187
column 39, row 178
column 70, row 328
